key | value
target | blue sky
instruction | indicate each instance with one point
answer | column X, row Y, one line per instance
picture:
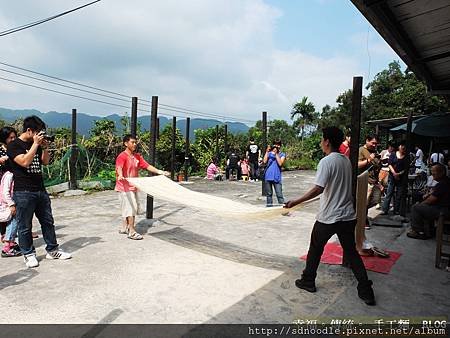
column 331, row 27
column 230, row 57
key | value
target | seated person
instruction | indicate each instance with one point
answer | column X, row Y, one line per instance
column 245, row 168
column 233, row 163
column 213, row 171
column 424, row 214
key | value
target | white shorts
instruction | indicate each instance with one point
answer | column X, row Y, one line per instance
column 129, row 203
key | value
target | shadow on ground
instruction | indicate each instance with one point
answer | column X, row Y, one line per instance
column 19, row 277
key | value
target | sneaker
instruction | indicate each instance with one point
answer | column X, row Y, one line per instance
column 58, row 254
column 11, row 253
column 31, row 261
column 308, row 286
column 365, row 292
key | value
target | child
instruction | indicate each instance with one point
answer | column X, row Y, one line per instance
column 7, row 213
column 245, row 168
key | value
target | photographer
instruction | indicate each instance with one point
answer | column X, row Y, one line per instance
column 28, row 153
column 274, row 160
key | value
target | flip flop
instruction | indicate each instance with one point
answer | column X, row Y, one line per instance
column 366, row 252
column 123, row 232
column 135, row 236
column 380, row 253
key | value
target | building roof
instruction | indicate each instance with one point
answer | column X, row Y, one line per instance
column 419, row 32
column 391, row 122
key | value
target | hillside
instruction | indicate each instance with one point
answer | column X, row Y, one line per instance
column 85, row 122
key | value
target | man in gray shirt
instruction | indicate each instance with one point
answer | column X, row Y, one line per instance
column 336, row 215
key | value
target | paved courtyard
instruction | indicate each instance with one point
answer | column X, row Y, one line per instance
column 194, row 267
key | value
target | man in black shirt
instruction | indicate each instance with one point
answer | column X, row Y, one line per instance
column 424, row 214
column 253, row 155
column 233, row 163
column 28, row 153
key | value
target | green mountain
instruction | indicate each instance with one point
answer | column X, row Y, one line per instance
column 85, row 122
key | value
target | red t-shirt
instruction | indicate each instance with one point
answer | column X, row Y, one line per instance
column 344, row 149
column 130, row 165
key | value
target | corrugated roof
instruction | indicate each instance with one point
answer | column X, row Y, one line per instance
column 419, row 32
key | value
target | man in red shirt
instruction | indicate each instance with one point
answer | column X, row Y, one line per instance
column 128, row 164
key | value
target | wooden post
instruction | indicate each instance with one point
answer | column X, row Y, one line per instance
column 157, row 128
column 73, row 153
column 174, row 140
column 403, row 202
column 217, row 142
column 264, row 141
column 225, row 145
column 186, row 152
column 133, row 122
column 152, row 150
column 355, row 131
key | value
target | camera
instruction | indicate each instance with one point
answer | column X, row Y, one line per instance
column 47, row 137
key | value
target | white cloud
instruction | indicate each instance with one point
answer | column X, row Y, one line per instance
column 214, row 56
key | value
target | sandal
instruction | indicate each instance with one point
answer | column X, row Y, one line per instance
column 123, row 232
column 366, row 252
column 135, row 236
column 380, row 253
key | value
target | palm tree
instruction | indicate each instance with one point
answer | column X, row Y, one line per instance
column 305, row 113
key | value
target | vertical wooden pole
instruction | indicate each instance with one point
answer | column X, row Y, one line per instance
column 186, row 152
column 217, row 142
column 403, row 202
column 73, row 153
column 157, row 128
column 225, row 146
column 174, row 140
column 264, row 145
column 355, row 131
column 152, row 150
column 133, row 122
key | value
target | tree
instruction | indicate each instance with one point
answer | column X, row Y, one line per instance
column 305, row 112
column 394, row 92
column 339, row 116
column 164, row 148
column 103, row 141
column 203, row 150
column 281, row 130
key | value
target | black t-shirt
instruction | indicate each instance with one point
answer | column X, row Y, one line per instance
column 253, row 152
column 26, row 179
column 399, row 164
column 234, row 159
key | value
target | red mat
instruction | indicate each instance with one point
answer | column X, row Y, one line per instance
column 332, row 254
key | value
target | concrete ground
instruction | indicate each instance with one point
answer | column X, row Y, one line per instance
column 194, row 267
